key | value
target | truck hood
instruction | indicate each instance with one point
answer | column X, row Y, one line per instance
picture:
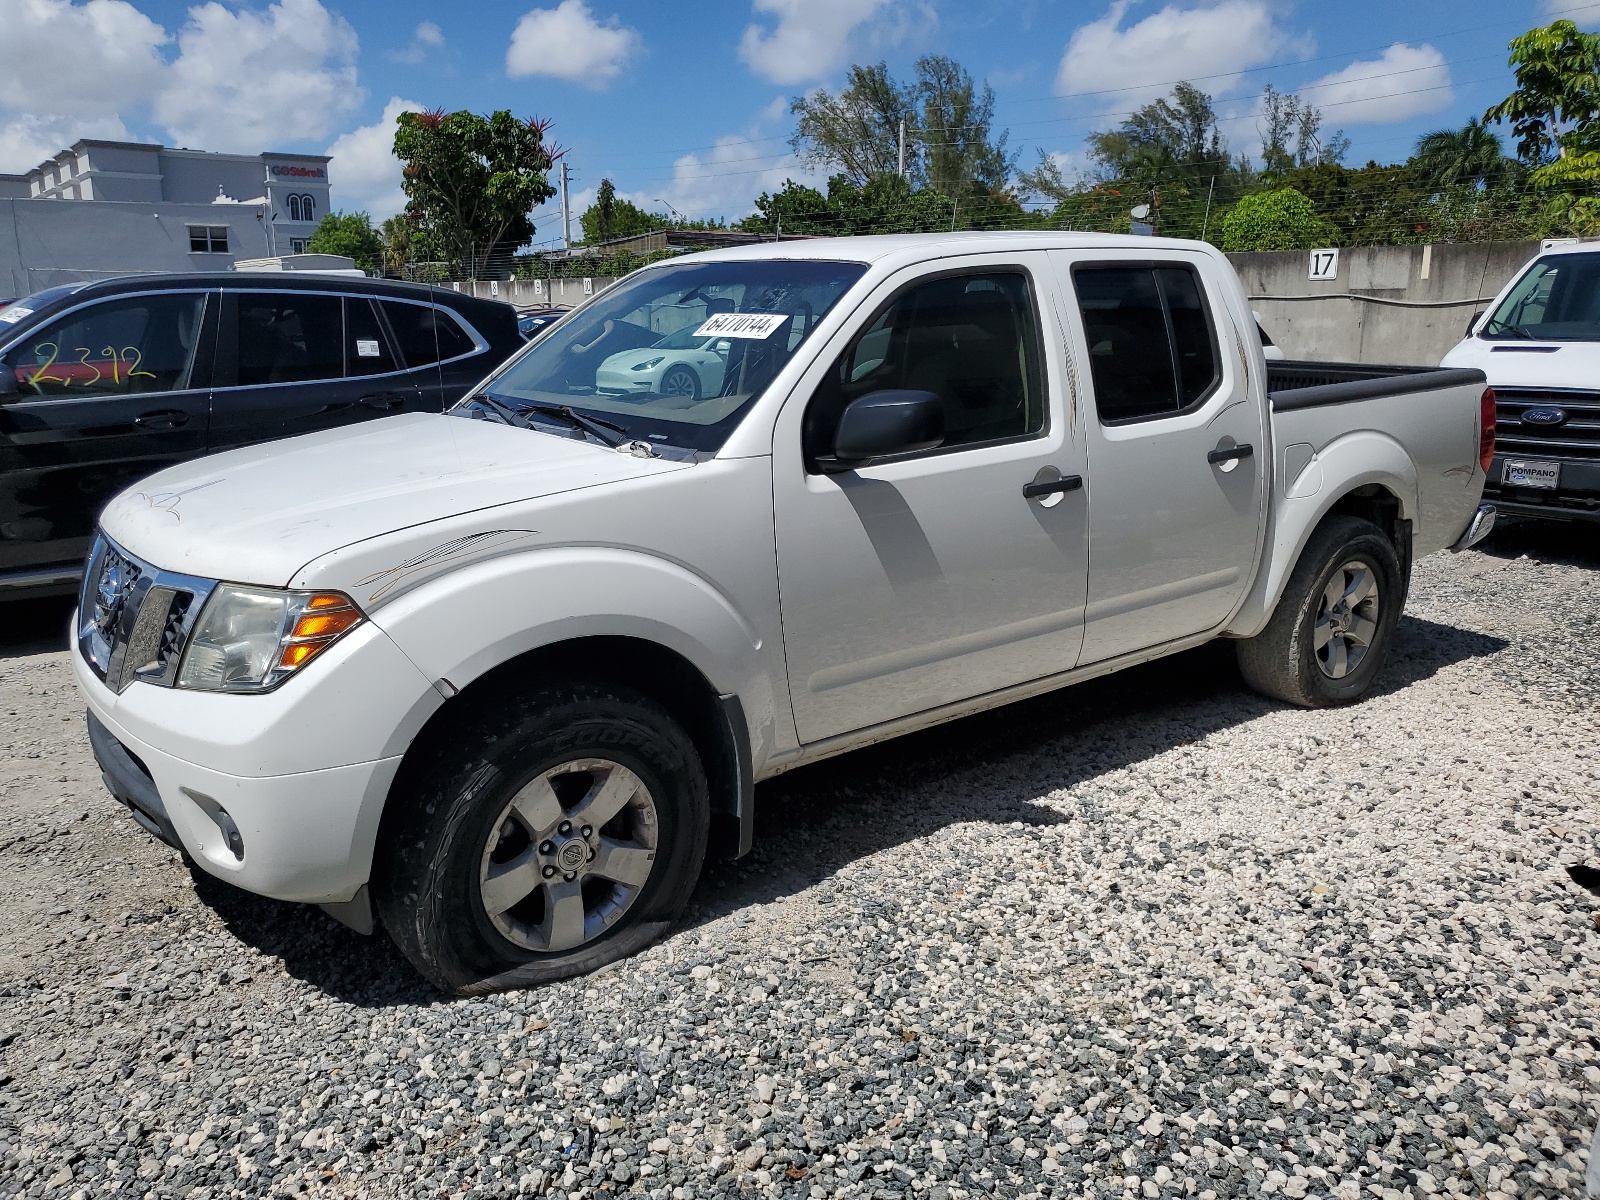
column 258, row 514
column 1530, row 364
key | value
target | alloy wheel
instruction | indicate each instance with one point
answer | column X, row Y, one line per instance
column 1347, row 619
column 569, row 855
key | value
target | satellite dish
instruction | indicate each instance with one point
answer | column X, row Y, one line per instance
column 1140, row 213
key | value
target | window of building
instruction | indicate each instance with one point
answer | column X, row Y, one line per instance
column 294, row 208
column 970, row 339
column 208, row 239
column 1152, row 352
column 308, row 208
column 142, row 344
column 297, row 245
column 289, row 337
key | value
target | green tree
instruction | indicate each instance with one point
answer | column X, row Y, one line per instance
column 961, row 153
column 399, row 234
column 1469, row 155
column 610, row 217
column 856, row 132
column 1178, row 134
column 1282, row 219
column 350, row 235
column 887, row 204
column 472, row 180
column 1557, row 70
column 1293, row 134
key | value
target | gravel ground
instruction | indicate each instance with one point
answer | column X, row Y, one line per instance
column 1153, row 936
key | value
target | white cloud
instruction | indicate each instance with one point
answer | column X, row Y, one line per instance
column 1205, row 45
column 115, row 62
column 724, row 181
column 811, row 39
column 566, row 42
column 364, row 171
column 249, row 80
column 1407, row 81
column 427, row 36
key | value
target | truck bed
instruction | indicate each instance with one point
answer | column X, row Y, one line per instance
column 1293, row 385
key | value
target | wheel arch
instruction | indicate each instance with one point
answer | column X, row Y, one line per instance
column 1364, row 474
column 715, row 721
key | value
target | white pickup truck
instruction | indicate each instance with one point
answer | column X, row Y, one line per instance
column 499, row 677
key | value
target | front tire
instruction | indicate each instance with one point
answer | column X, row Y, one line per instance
column 1330, row 633
column 682, row 381
column 546, row 833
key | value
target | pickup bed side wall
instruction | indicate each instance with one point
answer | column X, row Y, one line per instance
column 1420, row 446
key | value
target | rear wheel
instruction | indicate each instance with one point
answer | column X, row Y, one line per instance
column 548, row 833
column 1331, row 631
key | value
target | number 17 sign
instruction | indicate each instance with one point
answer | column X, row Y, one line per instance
column 1324, row 264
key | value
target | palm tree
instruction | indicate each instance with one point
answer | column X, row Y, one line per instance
column 1469, row 155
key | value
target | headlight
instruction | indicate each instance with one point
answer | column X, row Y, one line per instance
column 645, row 366
column 250, row 639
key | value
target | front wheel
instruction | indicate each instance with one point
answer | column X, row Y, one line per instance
column 1331, row 631
column 681, row 381
column 548, row 833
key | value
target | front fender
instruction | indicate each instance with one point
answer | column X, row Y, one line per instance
column 1301, row 502
column 461, row 625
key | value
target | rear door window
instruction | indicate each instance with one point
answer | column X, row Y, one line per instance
column 426, row 334
column 121, row 347
column 289, row 337
column 366, row 347
column 1152, row 346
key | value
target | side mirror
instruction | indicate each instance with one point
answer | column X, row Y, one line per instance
column 884, row 423
column 1476, row 317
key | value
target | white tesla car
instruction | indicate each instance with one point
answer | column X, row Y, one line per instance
column 680, row 364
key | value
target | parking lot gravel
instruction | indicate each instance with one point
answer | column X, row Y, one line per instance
column 1152, row 936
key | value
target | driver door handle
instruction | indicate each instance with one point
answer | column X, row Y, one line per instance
column 1067, row 483
column 166, row 418
column 383, row 401
column 1244, row 450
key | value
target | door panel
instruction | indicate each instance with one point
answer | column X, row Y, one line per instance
column 426, row 335
column 1173, row 536
column 914, row 583
column 108, row 394
column 294, row 362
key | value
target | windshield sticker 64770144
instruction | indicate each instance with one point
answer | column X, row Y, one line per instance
column 743, row 325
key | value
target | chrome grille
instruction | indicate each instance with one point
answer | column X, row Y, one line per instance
column 1577, row 436
column 134, row 619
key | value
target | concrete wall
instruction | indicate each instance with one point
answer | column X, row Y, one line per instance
column 1389, row 304
column 46, row 242
column 534, row 293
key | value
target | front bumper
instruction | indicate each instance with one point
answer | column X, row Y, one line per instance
column 255, row 793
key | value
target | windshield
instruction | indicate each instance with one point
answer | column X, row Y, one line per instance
column 1558, row 299
column 674, row 355
column 14, row 313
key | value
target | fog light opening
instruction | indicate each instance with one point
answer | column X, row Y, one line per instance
column 231, row 836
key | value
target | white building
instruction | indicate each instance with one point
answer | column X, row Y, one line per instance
column 87, row 212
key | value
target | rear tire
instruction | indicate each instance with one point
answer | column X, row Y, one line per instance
column 545, row 833
column 1330, row 633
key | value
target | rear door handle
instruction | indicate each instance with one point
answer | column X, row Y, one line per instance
column 166, row 418
column 1236, row 452
column 1049, row 487
column 383, row 401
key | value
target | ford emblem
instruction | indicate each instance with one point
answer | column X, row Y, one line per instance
column 1544, row 416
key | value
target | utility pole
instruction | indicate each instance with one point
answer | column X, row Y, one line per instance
column 900, row 169
column 566, row 208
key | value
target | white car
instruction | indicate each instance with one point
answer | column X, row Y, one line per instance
column 502, row 677
column 1539, row 344
column 680, row 364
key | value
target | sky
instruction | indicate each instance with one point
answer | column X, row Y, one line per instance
column 686, row 105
